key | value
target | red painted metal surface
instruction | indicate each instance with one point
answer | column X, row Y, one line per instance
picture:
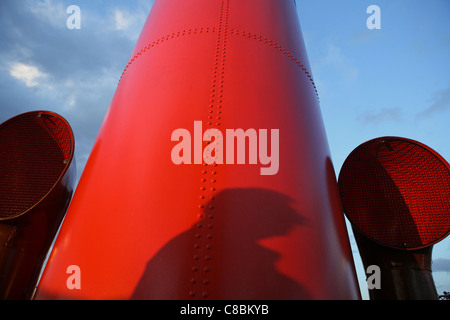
column 141, row 226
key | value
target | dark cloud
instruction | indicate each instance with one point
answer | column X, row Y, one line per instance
column 440, row 102
column 441, row 264
column 44, row 65
column 381, row 116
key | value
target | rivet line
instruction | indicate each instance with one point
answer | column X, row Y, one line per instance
column 173, row 35
column 278, row 47
column 209, row 174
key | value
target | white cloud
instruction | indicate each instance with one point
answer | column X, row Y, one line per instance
column 54, row 13
column 121, row 21
column 129, row 23
column 27, row 73
column 71, row 102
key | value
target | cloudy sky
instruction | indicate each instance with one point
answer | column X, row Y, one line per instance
column 371, row 82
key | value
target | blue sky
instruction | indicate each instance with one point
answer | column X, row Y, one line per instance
column 371, row 83
column 392, row 81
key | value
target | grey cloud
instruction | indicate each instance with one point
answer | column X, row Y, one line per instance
column 81, row 67
column 440, row 102
column 441, row 264
column 381, row 116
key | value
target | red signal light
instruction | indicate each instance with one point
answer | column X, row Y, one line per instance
column 35, row 150
column 37, row 177
column 396, row 191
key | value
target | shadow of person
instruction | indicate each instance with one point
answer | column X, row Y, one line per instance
column 221, row 257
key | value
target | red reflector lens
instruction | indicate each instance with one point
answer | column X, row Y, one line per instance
column 397, row 192
column 35, row 148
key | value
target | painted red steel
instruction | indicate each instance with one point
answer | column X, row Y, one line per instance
column 140, row 226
